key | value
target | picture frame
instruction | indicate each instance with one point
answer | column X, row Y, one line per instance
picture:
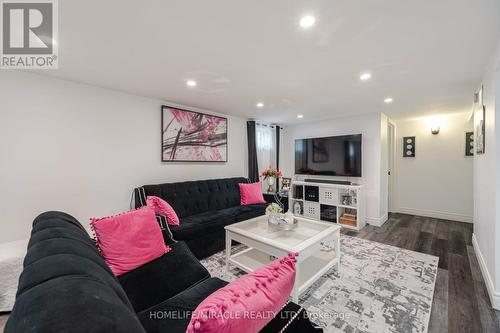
column 469, row 143
column 285, row 183
column 480, row 123
column 192, row 136
column 409, row 146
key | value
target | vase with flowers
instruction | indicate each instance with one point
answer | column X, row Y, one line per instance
column 270, row 175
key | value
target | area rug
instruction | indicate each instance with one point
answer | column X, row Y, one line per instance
column 11, row 265
column 379, row 288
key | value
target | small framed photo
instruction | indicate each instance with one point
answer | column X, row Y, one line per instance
column 285, row 183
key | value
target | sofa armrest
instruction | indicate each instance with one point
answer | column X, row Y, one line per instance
column 139, row 197
column 165, row 229
column 163, row 278
column 140, row 201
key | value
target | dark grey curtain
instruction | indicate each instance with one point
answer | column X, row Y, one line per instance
column 277, row 154
column 253, row 168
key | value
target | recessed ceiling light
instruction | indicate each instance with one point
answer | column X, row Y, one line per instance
column 260, row 105
column 191, row 83
column 388, row 100
column 307, row 21
column 300, row 116
column 365, row 76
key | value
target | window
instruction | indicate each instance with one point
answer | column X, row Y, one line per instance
column 265, row 138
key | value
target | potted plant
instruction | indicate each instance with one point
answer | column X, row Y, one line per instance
column 270, row 175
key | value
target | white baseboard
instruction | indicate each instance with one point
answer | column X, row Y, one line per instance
column 494, row 295
column 435, row 214
column 377, row 221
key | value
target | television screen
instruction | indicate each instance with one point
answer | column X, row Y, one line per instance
column 329, row 156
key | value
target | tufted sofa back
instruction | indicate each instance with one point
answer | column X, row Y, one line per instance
column 66, row 286
column 194, row 197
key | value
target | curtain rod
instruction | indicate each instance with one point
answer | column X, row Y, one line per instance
column 268, row 125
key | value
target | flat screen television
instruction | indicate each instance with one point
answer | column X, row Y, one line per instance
column 329, row 156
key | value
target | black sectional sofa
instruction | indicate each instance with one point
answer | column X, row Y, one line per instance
column 66, row 286
column 204, row 208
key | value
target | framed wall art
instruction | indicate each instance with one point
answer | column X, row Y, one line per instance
column 469, row 143
column 409, row 146
column 189, row 136
column 479, row 122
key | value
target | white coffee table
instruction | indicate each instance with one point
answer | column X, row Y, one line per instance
column 264, row 242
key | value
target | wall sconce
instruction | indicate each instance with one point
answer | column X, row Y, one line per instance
column 435, row 130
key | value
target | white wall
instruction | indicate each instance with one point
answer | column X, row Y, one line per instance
column 369, row 125
column 82, row 149
column 486, row 237
column 438, row 181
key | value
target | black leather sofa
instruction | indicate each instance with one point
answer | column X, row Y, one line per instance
column 204, row 208
column 66, row 286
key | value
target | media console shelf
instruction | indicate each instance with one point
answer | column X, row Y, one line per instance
column 342, row 204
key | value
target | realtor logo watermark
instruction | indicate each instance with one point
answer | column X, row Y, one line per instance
column 29, row 34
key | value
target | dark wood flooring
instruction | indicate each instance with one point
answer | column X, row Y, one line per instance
column 461, row 302
column 3, row 320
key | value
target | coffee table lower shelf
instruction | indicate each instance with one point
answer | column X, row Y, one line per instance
column 308, row 270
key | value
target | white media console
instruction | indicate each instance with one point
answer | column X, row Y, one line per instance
column 335, row 203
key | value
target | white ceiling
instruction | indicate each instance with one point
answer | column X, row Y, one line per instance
column 427, row 54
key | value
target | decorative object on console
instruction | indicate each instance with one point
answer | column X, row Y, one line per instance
column 297, row 208
column 349, row 198
column 469, row 143
column 261, row 293
column 270, row 174
column 161, row 207
column 129, row 240
column 409, row 146
column 346, row 200
column 251, row 194
column 285, row 183
column 348, row 219
column 189, row 136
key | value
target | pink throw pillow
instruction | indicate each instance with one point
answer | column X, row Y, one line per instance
column 129, row 240
column 248, row 303
column 162, row 207
column 251, row 194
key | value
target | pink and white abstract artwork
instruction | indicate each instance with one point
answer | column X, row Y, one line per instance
column 189, row 136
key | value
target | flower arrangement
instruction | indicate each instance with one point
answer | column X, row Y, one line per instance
column 274, row 208
column 271, row 173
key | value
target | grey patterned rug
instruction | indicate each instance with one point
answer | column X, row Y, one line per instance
column 380, row 288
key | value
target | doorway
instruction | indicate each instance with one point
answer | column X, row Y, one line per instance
column 391, row 149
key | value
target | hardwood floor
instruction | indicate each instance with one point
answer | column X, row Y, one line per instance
column 3, row 320
column 461, row 302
